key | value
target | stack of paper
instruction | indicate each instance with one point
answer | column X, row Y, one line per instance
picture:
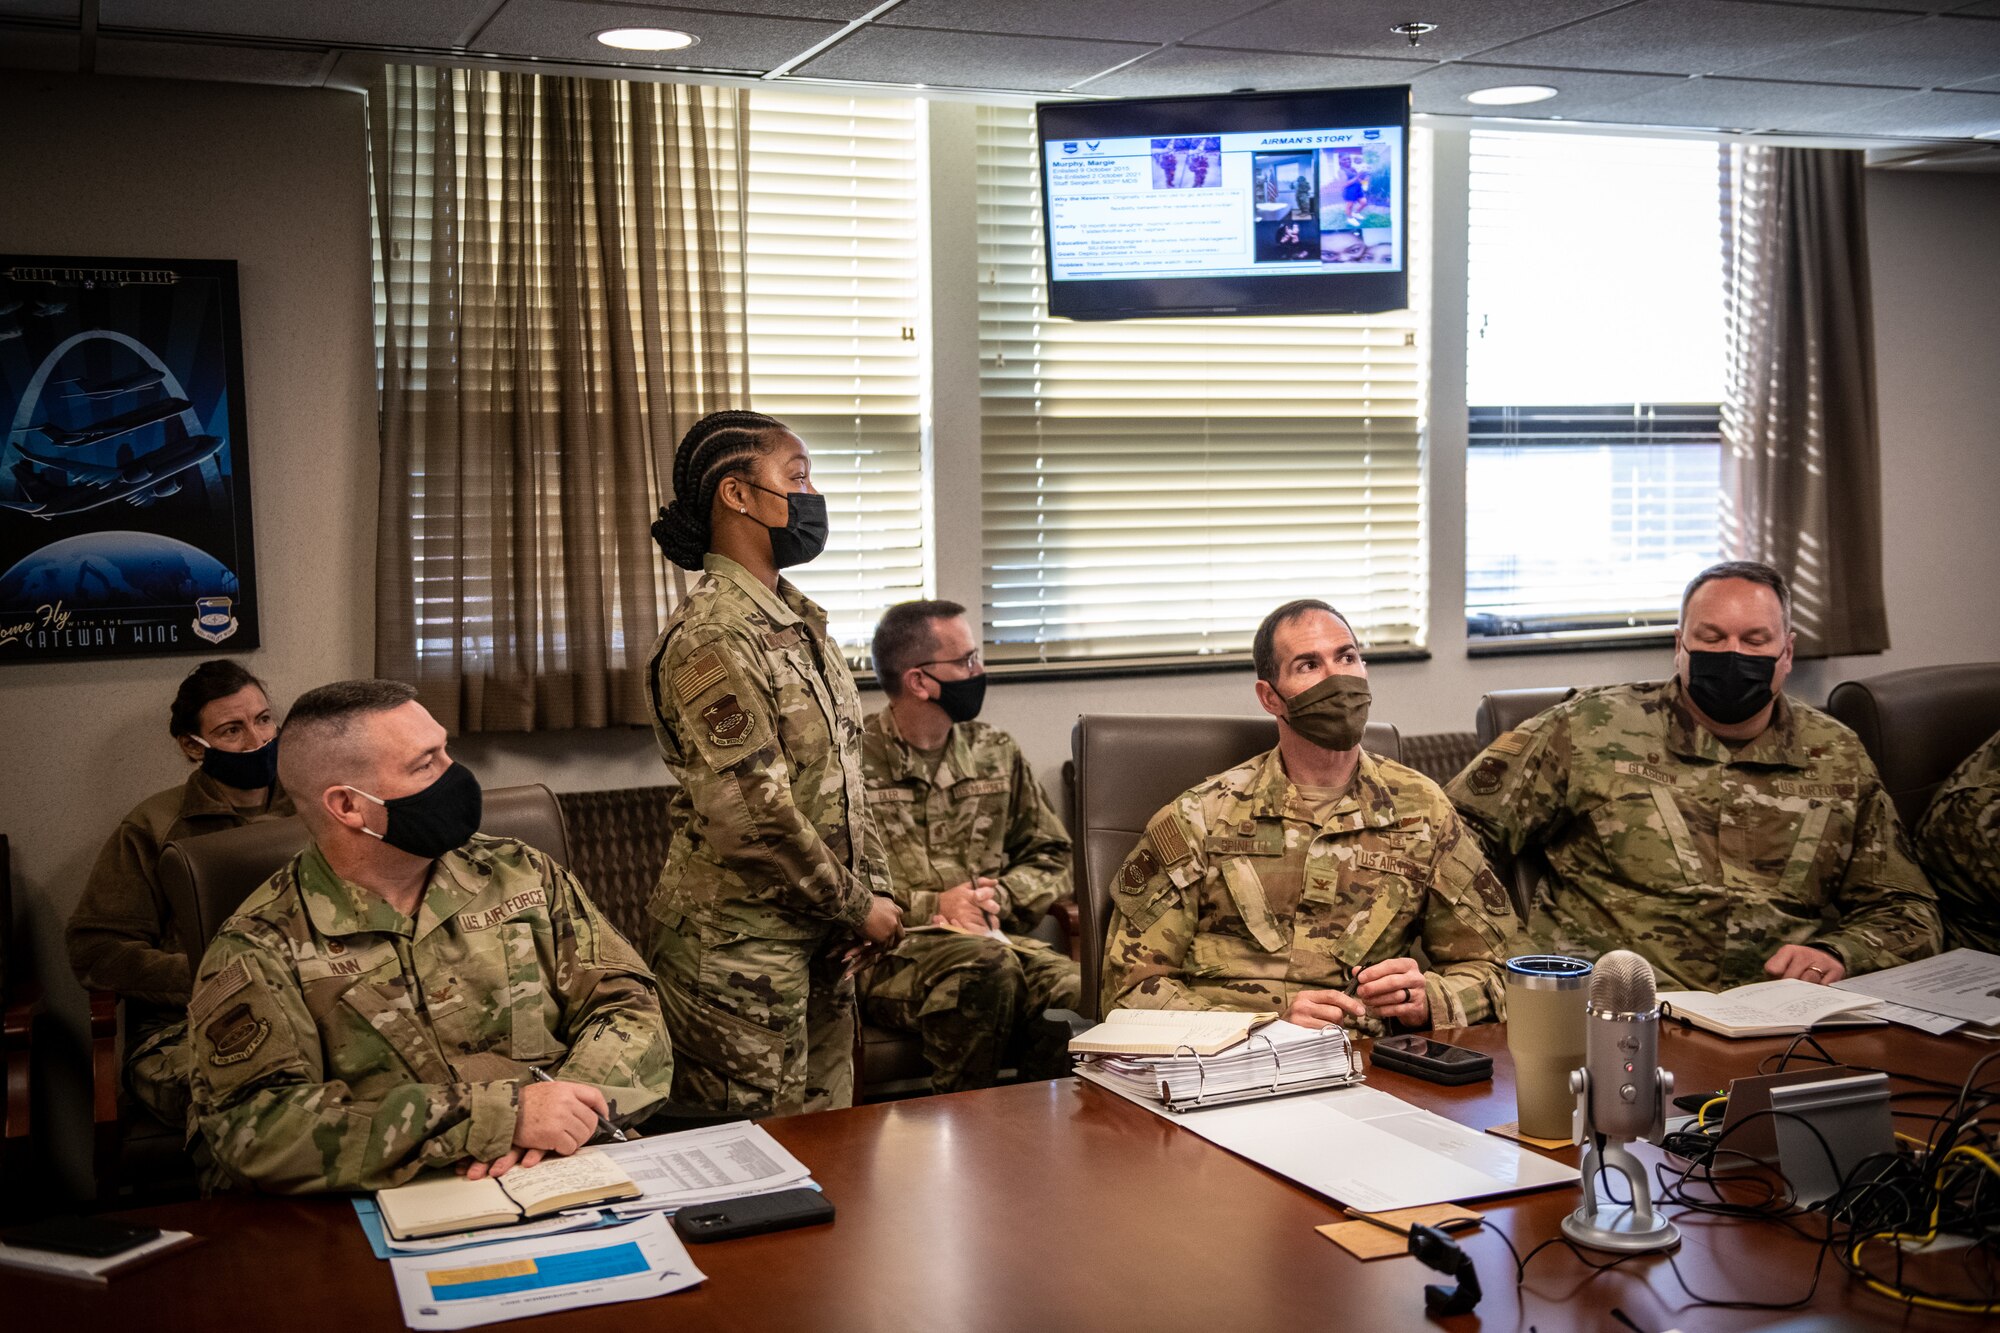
column 85, row 1268
column 1278, row 1057
column 1938, row 994
column 1166, row 1032
column 704, row 1165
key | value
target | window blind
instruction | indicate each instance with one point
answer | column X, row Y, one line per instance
column 1153, row 487
column 834, row 270
column 1595, row 360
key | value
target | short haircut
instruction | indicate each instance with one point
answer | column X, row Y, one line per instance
column 905, row 638
column 1750, row 571
column 1264, row 648
column 317, row 747
column 204, row 685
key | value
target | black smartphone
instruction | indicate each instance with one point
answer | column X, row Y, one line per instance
column 752, row 1215
column 1434, row 1061
column 93, row 1237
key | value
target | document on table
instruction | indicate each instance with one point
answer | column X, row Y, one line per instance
column 703, row 1165
column 386, row 1246
column 1962, row 983
column 531, row 1277
column 1372, row 1151
column 1921, row 1019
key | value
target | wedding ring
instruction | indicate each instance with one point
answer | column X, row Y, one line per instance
column 1406, row 995
column 1809, row 971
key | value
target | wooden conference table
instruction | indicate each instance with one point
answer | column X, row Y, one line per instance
column 1048, row 1206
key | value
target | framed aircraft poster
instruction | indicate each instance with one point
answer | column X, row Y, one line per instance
column 124, row 469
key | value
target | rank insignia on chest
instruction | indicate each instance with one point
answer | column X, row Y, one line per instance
column 727, row 723
column 1486, row 778
column 236, row 1035
column 1140, row 869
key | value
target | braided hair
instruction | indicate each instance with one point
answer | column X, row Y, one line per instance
column 714, row 447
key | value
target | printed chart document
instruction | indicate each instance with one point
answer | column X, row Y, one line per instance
column 1166, row 1032
column 436, row 1205
column 703, row 1165
column 1371, row 1151
column 1771, row 1008
column 531, row 1277
column 1961, row 983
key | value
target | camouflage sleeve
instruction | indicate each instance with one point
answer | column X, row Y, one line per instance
column 1514, row 793
column 611, row 1022
column 1959, row 837
column 740, row 783
column 1037, row 847
column 1154, row 919
column 1888, row 912
column 274, row 1119
column 1469, row 929
column 117, row 935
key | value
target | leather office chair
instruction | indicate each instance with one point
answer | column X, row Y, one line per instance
column 1918, row 725
column 1130, row 765
column 1500, row 711
column 207, row 878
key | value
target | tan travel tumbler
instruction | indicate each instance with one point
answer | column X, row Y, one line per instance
column 1545, row 1034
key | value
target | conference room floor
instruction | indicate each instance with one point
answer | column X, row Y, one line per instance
column 1054, row 1206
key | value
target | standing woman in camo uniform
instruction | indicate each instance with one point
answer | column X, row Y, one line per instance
column 775, row 880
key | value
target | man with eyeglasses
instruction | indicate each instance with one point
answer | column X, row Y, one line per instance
column 976, row 857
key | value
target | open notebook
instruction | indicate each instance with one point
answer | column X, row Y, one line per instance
column 438, row 1205
column 1769, row 1008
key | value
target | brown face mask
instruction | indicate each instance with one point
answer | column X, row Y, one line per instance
column 1332, row 713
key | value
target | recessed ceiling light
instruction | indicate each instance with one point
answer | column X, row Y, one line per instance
column 647, row 39
column 1516, row 94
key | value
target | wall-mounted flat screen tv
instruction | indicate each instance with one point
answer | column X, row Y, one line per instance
column 1246, row 204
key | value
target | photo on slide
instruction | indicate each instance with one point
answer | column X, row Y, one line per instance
column 1188, row 164
column 1288, row 241
column 1283, row 187
column 1357, row 185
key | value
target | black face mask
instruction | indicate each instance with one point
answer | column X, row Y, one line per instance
column 245, row 770
column 804, row 535
column 1730, row 687
column 961, row 699
column 441, row 817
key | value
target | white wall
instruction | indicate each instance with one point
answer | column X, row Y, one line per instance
column 276, row 180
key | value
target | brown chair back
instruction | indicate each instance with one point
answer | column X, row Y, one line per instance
column 1503, row 710
column 1920, row 724
column 1129, row 766
column 207, row 878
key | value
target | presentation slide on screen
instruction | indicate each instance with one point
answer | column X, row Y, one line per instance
column 1226, row 205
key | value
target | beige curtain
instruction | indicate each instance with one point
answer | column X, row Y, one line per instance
column 559, row 296
column 1802, row 470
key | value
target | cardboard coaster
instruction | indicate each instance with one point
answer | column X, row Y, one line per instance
column 1365, row 1240
column 1512, row 1130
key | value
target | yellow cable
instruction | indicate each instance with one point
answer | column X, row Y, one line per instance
column 1927, row 1302
column 1701, row 1116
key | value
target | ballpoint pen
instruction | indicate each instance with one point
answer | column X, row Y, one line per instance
column 617, row 1134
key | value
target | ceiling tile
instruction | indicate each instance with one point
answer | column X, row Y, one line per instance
column 1740, row 104
column 1928, row 52
column 966, row 60
column 438, row 23
column 1361, row 27
column 1693, row 36
column 1920, row 115
column 24, row 49
column 840, row 10
column 1908, row 6
column 1988, row 7
column 560, row 29
column 1201, row 69
column 1578, row 93
column 41, row 9
column 1103, row 20
column 136, row 58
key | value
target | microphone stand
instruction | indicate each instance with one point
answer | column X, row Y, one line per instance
column 1627, row 1229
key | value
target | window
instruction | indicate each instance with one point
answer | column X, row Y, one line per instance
column 835, row 270
column 1595, row 363
column 1153, row 487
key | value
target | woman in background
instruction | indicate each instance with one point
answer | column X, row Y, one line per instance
column 121, row 936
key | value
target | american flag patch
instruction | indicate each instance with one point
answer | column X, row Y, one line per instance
column 217, row 989
column 700, row 672
column 1166, row 834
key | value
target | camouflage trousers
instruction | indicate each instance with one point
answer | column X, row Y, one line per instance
column 760, row 1027
column 977, row 1004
